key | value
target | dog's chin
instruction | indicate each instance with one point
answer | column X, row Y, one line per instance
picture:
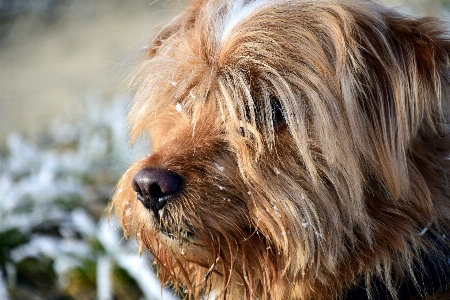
column 185, row 246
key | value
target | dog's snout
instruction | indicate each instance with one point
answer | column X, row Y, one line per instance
column 154, row 187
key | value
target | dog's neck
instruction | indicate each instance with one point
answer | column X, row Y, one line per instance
column 432, row 273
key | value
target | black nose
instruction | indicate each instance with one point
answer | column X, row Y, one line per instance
column 155, row 187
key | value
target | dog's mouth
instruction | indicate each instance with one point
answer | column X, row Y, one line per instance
column 166, row 222
column 173, row 225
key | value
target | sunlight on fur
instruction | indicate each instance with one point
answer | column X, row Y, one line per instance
column 299, row 152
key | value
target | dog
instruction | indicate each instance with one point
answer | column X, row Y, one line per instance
column 300, row 151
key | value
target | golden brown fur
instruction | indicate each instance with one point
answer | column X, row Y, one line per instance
column 334, row 193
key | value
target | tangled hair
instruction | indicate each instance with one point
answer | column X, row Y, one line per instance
column 312, row 140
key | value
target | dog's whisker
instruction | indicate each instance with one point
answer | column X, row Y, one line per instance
column 210, row 270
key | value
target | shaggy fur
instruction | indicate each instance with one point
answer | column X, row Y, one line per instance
column 312, row 143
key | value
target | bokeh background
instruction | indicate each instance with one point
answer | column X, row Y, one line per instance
column 64, row 67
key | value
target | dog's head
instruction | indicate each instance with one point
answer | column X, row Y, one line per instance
column 298, row 146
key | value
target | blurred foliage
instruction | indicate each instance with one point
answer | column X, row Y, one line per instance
column 10, row 239
column 127, row 288
column 82, row 281
column 55, row 239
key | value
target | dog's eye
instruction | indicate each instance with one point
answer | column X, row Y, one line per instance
column 277, row 113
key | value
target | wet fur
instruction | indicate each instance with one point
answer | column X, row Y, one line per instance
column 334, row 195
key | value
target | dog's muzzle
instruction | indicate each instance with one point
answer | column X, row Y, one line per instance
column 156, row 187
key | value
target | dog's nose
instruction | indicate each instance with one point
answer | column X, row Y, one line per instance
column 155, row 187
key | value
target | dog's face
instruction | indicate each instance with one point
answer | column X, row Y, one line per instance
column 288, row 141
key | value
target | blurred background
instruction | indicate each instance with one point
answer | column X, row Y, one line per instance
column 64, row 66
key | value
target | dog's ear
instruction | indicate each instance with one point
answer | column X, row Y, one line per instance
column 402, row 82
column 398, row 75
column 426, row 41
